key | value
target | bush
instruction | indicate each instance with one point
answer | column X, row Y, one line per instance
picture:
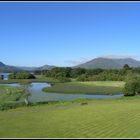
column 64, row 79
column 21, row 75
column 132, row 87
column 10, row 105
column 82, row 78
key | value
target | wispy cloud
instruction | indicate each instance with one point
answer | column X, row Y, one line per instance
column 118, row 56
column 77, row 62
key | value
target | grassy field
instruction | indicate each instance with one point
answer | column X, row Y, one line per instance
column 99, row 87
column 104, row 118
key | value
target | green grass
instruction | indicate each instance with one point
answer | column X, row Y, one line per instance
column 99, row 87
column 105, row 118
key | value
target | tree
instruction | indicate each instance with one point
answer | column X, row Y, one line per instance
column 82, row 77
column 132, row 87
column 77, row 72
column 21, row 75
column 64, row 79
column 25, row 90
column 126, row 67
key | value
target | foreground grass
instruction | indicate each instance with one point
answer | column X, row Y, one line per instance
column 99, row 87
column 104, row 118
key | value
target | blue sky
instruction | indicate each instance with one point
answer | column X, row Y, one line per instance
column 67, row 33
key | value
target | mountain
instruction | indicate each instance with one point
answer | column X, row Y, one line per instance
column 2, row 64
column 109, row 63
column 27, row 68
column 45, row 67
column 7, row 68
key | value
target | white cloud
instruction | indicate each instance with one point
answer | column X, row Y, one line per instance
column 118, row 56
column 77, row 62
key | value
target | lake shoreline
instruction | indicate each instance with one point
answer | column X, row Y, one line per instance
column 39, row 95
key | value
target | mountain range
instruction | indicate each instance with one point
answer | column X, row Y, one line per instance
column 100, row 62
column 45, row 67
column 7, row 68
column 109, row 63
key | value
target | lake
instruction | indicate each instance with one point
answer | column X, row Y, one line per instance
column 37, row 95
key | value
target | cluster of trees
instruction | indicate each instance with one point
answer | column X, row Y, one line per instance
column 132, row 86
column 81, row 74
column 21, row 75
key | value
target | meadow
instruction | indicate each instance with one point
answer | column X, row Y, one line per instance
column 101, row 118
column 95, row 87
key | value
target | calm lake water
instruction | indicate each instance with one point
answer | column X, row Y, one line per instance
column 38, row 95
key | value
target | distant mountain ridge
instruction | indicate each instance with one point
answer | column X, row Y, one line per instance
column 45, row 67
column 109, row 63
column 7, row 68
column 100, row 62
column 2, row 64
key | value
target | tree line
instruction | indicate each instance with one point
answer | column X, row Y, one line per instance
column 130, row 75
column 21, row 75
column 81, row 74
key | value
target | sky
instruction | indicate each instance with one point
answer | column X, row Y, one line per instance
column 67, row 33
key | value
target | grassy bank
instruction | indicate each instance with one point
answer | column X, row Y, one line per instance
column 103, row 87
column 105, row 118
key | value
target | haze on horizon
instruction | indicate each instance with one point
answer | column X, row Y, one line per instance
column 67, row 33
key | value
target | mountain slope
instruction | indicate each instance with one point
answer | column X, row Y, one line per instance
column 107, row 63
column 27, row 68
column 7, row 68
column 45, row 67
column 2, row 64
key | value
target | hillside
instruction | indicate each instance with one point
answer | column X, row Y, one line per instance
column 107, row 63
column 45, row 67
column 7, row 68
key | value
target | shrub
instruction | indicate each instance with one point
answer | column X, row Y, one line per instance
column 132, row 87
column 64, row 79
column 82, row 77
column 21, row 75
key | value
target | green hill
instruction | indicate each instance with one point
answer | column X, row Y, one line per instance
column 7, row 68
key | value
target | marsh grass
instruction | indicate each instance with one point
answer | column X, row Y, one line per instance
column 102, row 87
